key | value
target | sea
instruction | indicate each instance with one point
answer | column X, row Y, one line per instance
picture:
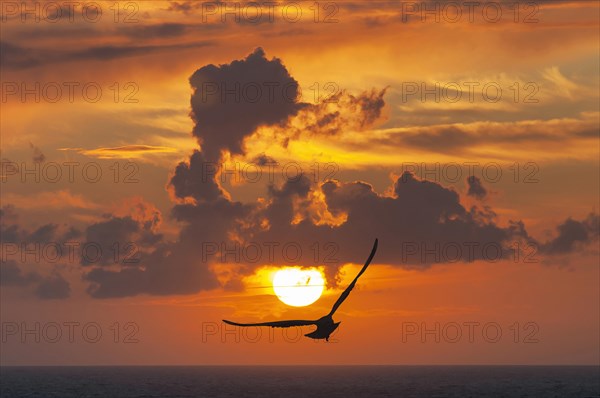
column 301, row 381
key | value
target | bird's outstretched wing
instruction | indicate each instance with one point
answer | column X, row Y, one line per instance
column 346, row 292
column 276, row 324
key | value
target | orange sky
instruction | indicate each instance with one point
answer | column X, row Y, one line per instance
column 541, row 132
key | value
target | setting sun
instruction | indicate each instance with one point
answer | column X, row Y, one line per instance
column 298, row 287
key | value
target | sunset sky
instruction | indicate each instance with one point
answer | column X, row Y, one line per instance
column 465, row 140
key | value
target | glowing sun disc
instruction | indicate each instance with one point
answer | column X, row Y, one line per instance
column 298, row 287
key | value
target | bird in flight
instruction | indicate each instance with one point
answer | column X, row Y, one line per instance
column 325, row 325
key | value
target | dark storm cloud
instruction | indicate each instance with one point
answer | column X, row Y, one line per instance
column 476, row 188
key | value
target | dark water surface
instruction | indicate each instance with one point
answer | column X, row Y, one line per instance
column 301, row 381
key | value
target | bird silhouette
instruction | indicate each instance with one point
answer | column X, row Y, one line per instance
column 325, row 325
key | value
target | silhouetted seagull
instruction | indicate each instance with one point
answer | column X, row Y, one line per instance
column 325, row 325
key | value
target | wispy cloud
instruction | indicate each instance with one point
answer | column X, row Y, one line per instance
column 123, row 152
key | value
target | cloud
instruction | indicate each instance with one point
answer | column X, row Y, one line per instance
column 230, row 101
column 263, row 160
column 13, row 56
column 43, row 234
column 12, row 275
column 196, row 179
column 168, row 29
column 558, row 135
column 222, row 123
column 417, row 213
column 476, row 188
column 562, row 85
column 123, row 152
column 53, row 287
column 38, row 156
column 336, row 115
column 183, row 6
column 173, row 268
column 572, row 235
column 49, row 287
column 412, row 214
column 11, row 232
column 60, row 199
column 118, row 240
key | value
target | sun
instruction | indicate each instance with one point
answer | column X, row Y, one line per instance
column 298, row 287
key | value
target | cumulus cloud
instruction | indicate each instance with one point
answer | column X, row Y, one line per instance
column 222, row 122
column 230, row 101
column 417, row 213
column 412, row 218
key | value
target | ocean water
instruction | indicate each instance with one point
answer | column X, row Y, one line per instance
column 301, row 381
